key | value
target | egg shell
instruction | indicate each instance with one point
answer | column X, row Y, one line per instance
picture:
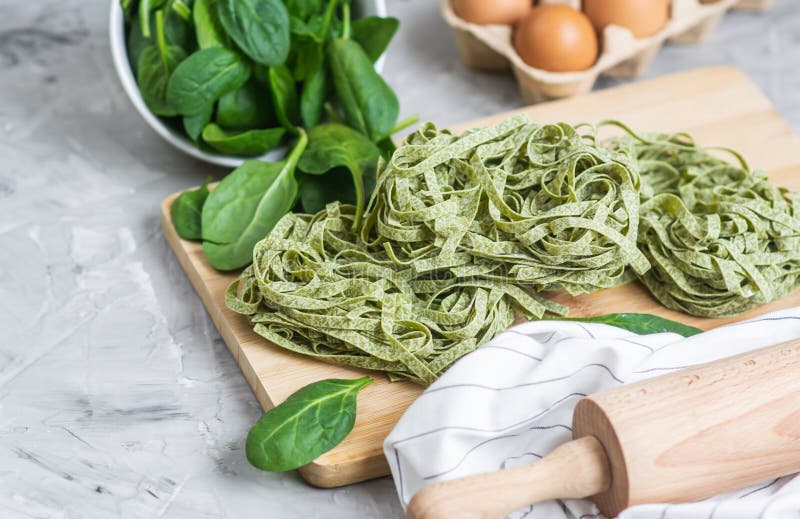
column 556, row 38
column 492, row 12
column 644, row 18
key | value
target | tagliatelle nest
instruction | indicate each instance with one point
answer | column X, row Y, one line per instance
column 720, row 238
column 459, row 235
column 538, row 206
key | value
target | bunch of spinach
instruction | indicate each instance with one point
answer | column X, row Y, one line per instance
column 240, row 77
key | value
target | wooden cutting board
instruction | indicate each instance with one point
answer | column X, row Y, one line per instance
column 719, row 106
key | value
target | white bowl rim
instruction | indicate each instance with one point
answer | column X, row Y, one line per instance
column 119, row 56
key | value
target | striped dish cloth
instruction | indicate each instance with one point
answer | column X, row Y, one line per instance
column 510, row 402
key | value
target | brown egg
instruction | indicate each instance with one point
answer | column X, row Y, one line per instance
column 557, row 38
column 644, row 18
column 489, row 12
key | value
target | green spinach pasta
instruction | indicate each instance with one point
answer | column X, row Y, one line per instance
column 720, row 238
column 463, row 233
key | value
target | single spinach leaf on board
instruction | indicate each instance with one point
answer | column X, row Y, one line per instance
column 156, row 65
column 312, row 98
column 334, row 145
column 284, row 97
column 186, row 212
column 374, row 34
column 246, row 206
column 193, row 124
column 369, row 104
column 203, row 77
column 246, row 107
column 245, row 143
column 306, row 425
column 207, row 26
column 640, row 323
column 259, row 27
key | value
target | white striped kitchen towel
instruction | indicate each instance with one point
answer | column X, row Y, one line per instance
column 510, row 402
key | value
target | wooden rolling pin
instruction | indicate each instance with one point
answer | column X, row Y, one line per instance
column 676, row 438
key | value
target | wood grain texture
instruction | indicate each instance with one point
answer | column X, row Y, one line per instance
column 698, row 432
column 720, row 106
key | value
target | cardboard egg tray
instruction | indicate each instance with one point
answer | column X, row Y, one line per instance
column 490, row 47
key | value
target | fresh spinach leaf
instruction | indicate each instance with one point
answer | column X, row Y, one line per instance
column 307, row 56
column 312, row 98
column 332, row 113
column 128, row 8
column 308, row 38
column 309, row 35
column 154, row 72
column 308, row 424
column 317, row 191
column 182, row 9
column 387, row 147
column 178, row 31
column 245, row 107
column 259, row 27
column 207, row 26
column 261, row 74
column 303, row 9
column 186, row 212
column 245, row 143
column 369, row 104
column 194, row 124
column 374, row 34
column 146, row 7
column 136, row 44
column 284, row 96
column 334, row 145
column 157, row 63
column 246, row 206
column 203, row 77
column 640, row 323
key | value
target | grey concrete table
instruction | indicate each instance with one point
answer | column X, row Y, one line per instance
column 117, row 396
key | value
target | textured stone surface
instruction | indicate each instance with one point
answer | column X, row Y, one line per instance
column 117, row 396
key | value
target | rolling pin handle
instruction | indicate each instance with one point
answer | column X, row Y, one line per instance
column 576, row 469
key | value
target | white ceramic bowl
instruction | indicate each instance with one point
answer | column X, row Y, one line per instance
column 119, row 54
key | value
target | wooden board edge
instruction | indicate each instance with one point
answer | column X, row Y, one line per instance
column 322, row 475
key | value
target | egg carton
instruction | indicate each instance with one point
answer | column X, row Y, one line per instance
column 490, row 47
